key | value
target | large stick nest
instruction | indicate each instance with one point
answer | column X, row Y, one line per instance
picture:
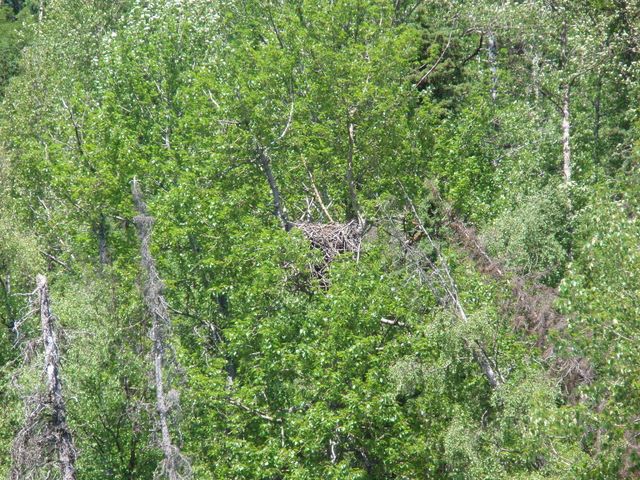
column 333, row 238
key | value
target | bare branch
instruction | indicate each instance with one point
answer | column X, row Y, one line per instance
column 278, row 208
column 289, row 120
column 255, row 412
column 448, row 284
column 54, row 259
column 76, row 127
column 316, row 193
column 424, row 78
column 392, row 321
column 476, row 51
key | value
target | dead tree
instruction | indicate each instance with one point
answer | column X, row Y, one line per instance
column 573, row 65
column 64, row 440
column 566, row 133
column 45, row 430
column 565, row 109
column 174, row 466
column 445, row 290
column 531, row 303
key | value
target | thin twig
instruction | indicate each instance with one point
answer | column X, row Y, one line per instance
column 433, row 67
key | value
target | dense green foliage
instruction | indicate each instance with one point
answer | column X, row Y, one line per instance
column 488, row 152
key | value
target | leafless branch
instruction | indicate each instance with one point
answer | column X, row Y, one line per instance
column 424, row 78
column 316, row 193
column 76, row 127
column 55, row 260
column 254, row 411
column 289, row 121
column 448, row 285
column 392, row 321
column 476, row 51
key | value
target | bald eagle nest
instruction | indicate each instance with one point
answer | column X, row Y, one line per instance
column 333, row 238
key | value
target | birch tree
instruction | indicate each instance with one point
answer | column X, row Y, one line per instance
column 566, row 45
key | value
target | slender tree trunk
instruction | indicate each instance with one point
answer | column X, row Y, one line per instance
column 131, row 465
column 77, row 129
column 564, row 44
column 492, row 49
column 160, row 327
column 565, row 104
column 161, row 405
column 218, row 338
column 596, row 117
column 535, row 73
column 64, row 440
column 566, row 134
column 130, row 472
column 101, row 231
column 278, row 208
column 41, row 9
column 493, row 65
column 353, row 212
column 5, row 285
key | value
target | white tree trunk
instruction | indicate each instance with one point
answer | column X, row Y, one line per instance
column 535, row 73
column 566, row 134
column 354, row 207
column 493, row 65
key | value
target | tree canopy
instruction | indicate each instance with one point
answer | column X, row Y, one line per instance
column 350, row 239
